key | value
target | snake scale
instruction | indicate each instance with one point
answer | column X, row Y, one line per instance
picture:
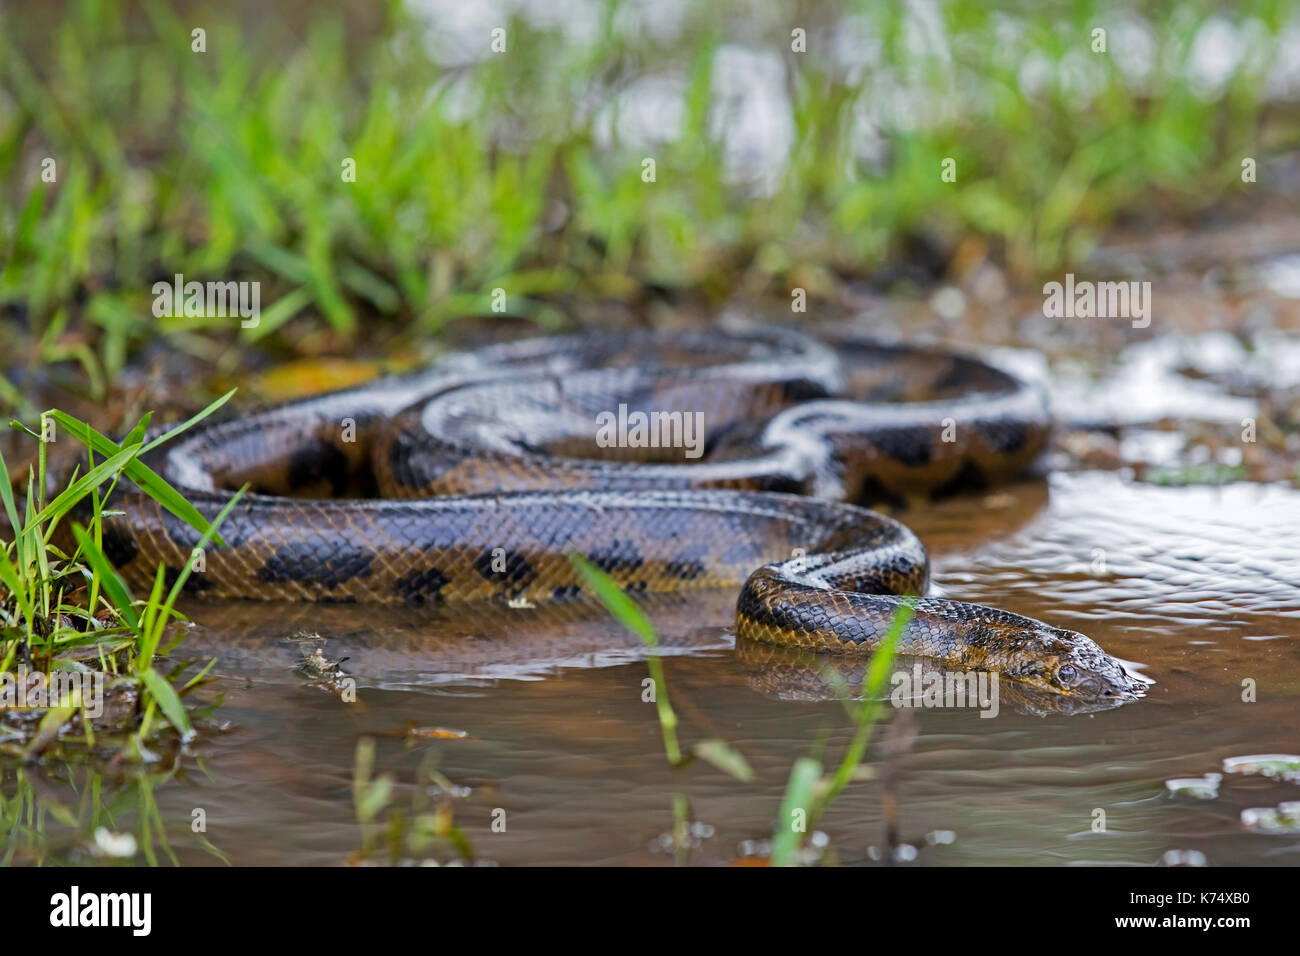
column 475, row 479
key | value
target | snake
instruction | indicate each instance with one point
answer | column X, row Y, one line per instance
column 697, row 459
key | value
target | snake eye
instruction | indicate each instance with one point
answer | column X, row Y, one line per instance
column 1067, row 674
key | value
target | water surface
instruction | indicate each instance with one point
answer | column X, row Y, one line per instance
column 1197, row 586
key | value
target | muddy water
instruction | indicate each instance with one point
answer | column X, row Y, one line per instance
column 1197, row 586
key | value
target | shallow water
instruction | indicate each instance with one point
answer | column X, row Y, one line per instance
column 1197, row 586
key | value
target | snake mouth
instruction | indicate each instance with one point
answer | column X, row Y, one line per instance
column 1120, row 686
column 1098, row 688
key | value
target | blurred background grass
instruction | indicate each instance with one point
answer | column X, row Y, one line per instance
column 523, row 170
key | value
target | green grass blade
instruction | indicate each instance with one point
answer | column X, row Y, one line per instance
column 796, row 808
column 168, row 701
column 13, row 581
column 7, row 493
column 145, row 477
column 204, row 541
column 189, row 422
column 68, row 498
column 633, row 618
column 616, row 602
column 109, row 579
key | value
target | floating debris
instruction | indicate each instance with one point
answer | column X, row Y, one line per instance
column 445, row 788
column 317, row 665
column 437, row 733
column 322, row 672
column 905, row 853
column 693, row 838
column 120, row 845
column 1284, row 818
column 1274, row 766
column 759, row 852
column 1202, row 788
column 1184, row 858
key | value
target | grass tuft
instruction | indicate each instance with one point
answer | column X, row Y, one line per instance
column 69, row 611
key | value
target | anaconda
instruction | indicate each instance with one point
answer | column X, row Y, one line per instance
column 476, row 479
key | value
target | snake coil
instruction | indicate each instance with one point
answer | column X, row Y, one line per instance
column 475, row 479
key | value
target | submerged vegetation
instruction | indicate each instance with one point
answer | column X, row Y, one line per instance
column 424, row 832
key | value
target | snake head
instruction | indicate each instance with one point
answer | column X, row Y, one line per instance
column 1079, row 668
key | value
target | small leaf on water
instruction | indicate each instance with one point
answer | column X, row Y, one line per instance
column 437, row 733
column 725, row 757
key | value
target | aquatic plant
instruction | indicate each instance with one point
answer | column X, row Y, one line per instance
column 67, row 611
